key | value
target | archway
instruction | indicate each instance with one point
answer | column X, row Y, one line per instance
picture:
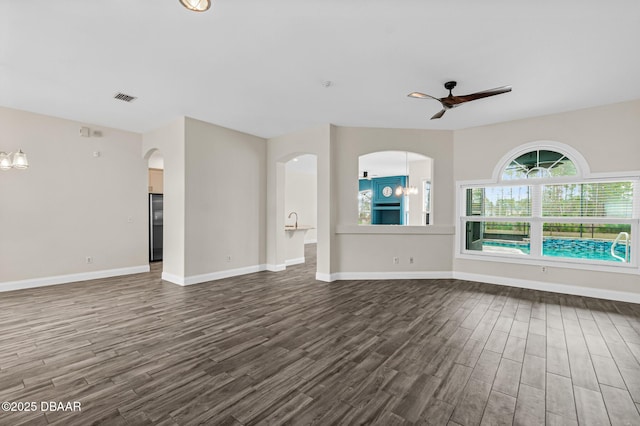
column 155, row 214
column 300, row 207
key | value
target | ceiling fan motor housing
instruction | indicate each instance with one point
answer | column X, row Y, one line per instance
column 449, row 85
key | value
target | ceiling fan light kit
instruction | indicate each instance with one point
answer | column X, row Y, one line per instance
column 453, row 101
column 196, row 5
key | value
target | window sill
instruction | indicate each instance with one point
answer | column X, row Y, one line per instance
column 586, row 265
column 396, row 229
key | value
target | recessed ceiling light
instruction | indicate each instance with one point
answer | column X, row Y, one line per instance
column 196, row 5
column 295, row 159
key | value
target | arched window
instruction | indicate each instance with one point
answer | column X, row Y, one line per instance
column 544, row 206
column 540, row 163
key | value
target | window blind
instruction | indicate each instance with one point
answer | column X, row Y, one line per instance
column 499, row 201
column 602, row 199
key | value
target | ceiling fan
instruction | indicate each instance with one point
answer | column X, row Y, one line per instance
column 452, row 101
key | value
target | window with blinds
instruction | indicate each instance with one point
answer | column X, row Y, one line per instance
column 499, row 201
column 554, row 216
column 585, row 222
column 602, row 199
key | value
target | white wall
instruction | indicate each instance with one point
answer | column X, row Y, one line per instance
column 363, row 249
column 225, row 204
column 70, row 204
column 418, row 172
column 301, row 196
column 608, row 137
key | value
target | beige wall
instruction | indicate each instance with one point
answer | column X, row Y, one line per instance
column 69, row 204
column 609, row 139
column 301, row 196
column 319, row 142
column 355, row 251
column 170, row 141
column 225, row 200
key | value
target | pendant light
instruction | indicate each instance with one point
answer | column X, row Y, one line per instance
column 196, row 5
column 19, row 161
column 406, row 190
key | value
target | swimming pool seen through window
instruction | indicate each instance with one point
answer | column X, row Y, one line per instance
column 543, row 208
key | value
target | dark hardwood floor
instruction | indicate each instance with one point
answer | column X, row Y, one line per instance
column 282, row 348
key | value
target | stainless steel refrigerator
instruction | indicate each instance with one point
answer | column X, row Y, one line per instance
column 155, row 227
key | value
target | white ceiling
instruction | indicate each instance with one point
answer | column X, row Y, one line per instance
column 258, row 66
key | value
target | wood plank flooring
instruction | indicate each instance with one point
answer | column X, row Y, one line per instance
column 282, row 348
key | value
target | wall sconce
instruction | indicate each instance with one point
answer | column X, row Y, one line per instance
column 196, row 5
column 19, row 161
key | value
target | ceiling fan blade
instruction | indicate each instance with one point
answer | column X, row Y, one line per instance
column 419, row 95
column 455, row 100
column 439, row 114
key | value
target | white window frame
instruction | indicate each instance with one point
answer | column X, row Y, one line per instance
column 424, row 197
column 536, row 220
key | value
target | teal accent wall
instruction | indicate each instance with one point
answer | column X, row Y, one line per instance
column 387, row 210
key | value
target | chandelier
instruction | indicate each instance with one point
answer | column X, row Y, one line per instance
column 19, row 161
column 407, row 189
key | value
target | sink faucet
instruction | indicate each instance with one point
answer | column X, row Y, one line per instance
column 296, row 218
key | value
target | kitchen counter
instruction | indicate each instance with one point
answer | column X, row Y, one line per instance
column 299, row 228
column 295, row 244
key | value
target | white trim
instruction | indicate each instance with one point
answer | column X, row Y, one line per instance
column 325, row 277
column 173, row 279
column 565, row 262
column 405, row 275
column 212, row 276
column 275, row 268
column 582, row 167
column 71, row 278
column 599, row 293
column 622, row 296
column 311, row 241
column 396, row 229
column 551, row 219
column 296, row 261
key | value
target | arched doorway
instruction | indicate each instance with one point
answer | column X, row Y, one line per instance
column 300, row 208
column 155, row 185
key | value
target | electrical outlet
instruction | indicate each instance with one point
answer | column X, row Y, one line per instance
column 411, row 260
column 89, row 259
column 228, row 258
column 544, row 269
column 396, row 260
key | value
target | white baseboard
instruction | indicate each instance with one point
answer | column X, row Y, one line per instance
column 324, row 277
column 212, row 276
column 174, row 279
column 489, row 279
column 297, row 261
column 621, row 296
column 275, row 268
column 71, row 278
column 404, row 275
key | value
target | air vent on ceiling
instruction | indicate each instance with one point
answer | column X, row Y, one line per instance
column 126, row 98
